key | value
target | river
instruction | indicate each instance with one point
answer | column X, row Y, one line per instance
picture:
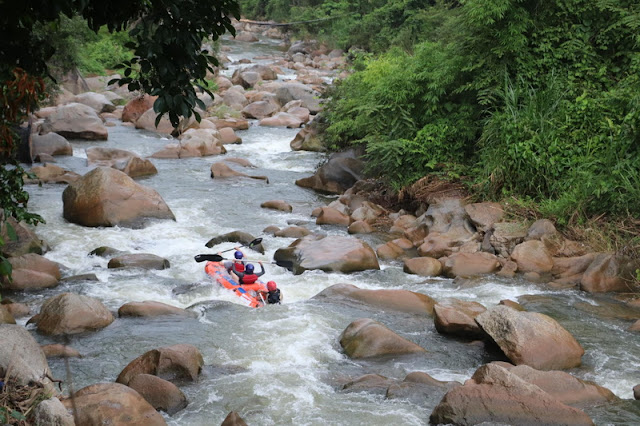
column 283, row 364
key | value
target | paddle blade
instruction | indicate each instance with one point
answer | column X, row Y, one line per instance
column 255, row 242
column 208, row 258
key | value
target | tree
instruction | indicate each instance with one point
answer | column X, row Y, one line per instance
column 166, row 35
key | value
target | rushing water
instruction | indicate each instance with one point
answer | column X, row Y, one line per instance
column 283, row 364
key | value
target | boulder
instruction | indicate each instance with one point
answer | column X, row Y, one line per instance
column 233, row 419
column 50, row 173
column 423, row 266
column 120, row 159
column 338, row 254
column 368, row 212
column 260, row 109
column 292, row 232
column 507, row 235
column 134, row 109
column 394, row 300
column 70, row 313
column 241, row 237
column 32, row 271
column 52, row 412
column 75, row 121
column 108, row 197
column 456, row 317
column 610, row 273
column 5, row 316
column 366, row 338
column 331, row 216
column 138, row 260
column 336, row 175
column 531, row 338
column 371, row 383
column 112, row 404
column 277, row 205
column 469, row 264
column 147, row 121
column 180, row 361
column 60, row 351
column 97, row 101
column 496, row 396
column 484, row 215
column 448, row 216
column 564, row 267
column 264, row 71
column 233, row 123
column 308, row 139
column 51, row 144
column 26, row 239
column 16, row 309
column 420, row 388
column 282, row 119
column 390, row 251
column 200, row 143
column 359, row 227
column 229, row 136
column 220, row 170
column 21, row 353
column 541, row 229
column 150, row 308
column 287, row 92
column 532, row 256
column 563, row 387
column 161, row 394
column 235, row 98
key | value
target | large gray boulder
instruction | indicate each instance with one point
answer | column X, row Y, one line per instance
column 108, row 197
column 70, row 313
column 112, row 404
column 20, row 352
column 98, row 101
column 330, row 254
column 496, row 396
column 337, row 175
column 50, row 144
column 75, row 121
column 310, row 98
column 531, row 338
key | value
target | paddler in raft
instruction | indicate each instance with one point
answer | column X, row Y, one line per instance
column 236, row 265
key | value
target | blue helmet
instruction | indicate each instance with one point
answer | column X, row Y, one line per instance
column 238, row 254
column 248, row 268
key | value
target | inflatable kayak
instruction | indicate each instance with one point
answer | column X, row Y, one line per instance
column 252, row 295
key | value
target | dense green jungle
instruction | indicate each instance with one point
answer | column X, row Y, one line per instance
column 534, row 101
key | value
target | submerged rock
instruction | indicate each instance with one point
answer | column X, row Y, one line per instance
column 396, row 300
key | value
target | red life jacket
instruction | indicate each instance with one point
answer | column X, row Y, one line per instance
column 238, row 266
column 249, row 279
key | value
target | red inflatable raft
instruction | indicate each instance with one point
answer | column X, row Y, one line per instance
column 252, row 295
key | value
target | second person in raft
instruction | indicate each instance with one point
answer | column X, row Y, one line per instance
column 249, row 276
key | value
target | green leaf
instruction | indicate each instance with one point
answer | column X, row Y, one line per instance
column 18, row 415
column 11, row 232
column 5, row 267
